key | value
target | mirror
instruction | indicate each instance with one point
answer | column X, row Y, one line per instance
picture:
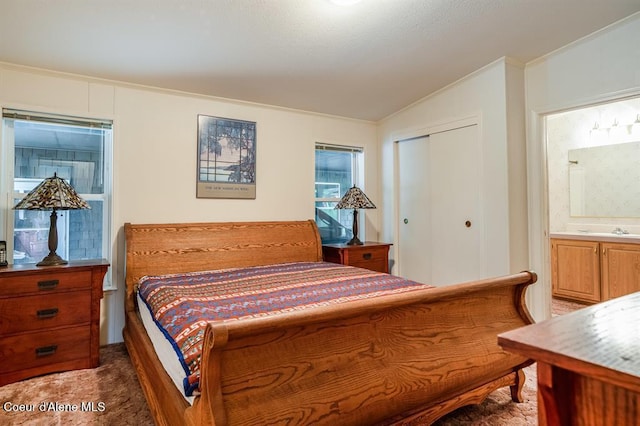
column 604, row 181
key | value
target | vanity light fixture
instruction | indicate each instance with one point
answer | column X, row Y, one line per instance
column 618, row 132
column 597, row 134
column 634, row 128
column 614, row 130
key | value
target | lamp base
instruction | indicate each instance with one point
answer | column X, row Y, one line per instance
column 355, row 241
column 52, row 259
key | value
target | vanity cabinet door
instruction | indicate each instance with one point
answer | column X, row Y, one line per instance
column 575, row 270
column 620, row 269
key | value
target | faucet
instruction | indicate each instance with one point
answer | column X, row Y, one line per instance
column 619, row 231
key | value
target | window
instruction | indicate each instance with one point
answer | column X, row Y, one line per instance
column 338, row 168
column 78, row 150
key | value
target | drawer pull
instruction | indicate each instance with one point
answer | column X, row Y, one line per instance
column 48, row 285
column 46, row 350
column 47, row 313
column 366, row 256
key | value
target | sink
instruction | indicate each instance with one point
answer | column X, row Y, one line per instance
column 582, row 235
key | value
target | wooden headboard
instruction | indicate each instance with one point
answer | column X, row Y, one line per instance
column 156, row 249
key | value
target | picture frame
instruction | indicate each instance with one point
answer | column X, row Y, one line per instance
column 226, row 158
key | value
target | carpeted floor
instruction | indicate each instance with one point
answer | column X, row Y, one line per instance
column 111, row 395
column 560, row 307
column 498, row 409
column 113, row 383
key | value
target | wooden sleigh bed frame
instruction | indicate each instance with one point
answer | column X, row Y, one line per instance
column 404, row 358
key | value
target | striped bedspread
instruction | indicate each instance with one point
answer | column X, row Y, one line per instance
column 183, row 304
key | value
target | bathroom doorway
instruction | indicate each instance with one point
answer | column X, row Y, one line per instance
column 593, row 187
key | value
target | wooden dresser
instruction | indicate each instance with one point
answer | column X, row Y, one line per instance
column 49, row 318
column 588, row 363
column 370, row 255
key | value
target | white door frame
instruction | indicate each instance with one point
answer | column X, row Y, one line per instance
column 538, row 297
column 396, row 137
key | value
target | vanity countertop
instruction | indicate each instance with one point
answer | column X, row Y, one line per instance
column 607, row 237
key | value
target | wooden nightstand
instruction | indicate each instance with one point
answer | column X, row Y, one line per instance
column 49, row 318
column 370, row 255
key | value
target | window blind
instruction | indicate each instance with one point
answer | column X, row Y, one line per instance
column 56, row 119
column 342, row 148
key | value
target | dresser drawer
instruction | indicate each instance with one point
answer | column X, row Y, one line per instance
column 31, row 313
column 43, row 283
column 31, row 350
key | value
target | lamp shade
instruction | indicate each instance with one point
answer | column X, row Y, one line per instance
column 53, row 193
column 354, row 198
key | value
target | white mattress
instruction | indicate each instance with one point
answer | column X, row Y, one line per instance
column 165, row 352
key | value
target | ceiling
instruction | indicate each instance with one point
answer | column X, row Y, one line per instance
column 363, row 61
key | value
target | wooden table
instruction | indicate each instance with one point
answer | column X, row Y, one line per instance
column 588, row 363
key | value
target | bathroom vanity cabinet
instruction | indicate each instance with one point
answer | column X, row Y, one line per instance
column 575, row 270
column 594, row 270
column 620, row 269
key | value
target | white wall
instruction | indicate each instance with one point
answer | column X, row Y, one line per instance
column 602, row 67
column 484, row 97
column 155, row 156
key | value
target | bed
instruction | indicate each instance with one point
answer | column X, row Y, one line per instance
column 401, row 358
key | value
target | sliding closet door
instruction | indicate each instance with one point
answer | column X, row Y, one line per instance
column 441, row 226
column 414, row 231
column 456, row 221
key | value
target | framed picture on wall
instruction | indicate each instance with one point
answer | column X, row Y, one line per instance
column 226, row 158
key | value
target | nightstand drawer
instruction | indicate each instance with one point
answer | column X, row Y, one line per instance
column 41, row 283
column 30, row 313
column 378, row 266
column 21, row 352
column 370, row 255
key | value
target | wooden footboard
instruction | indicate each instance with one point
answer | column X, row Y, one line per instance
column 404, row 358
column 424, row 353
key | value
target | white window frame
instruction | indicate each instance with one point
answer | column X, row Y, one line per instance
column 7, row 159
column 357, row 176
